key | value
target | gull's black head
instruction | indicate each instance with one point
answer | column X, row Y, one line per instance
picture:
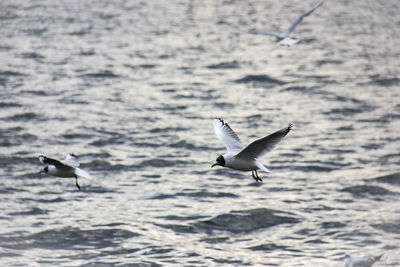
column 219, row 161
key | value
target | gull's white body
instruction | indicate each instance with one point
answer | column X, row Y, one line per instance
column 288, row 41
column 65, row 173
column 231, row 161
column 246, row 158
column 349, row 261
column 283, row 38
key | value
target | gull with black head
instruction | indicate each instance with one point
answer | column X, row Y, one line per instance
column 245, row 158
column 69, row 167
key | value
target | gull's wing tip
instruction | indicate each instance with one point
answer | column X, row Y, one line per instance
column 220, row 120
column 289, row 128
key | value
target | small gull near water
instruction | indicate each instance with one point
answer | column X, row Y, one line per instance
column 69, row 167
column 245, row 158
column 283, row 38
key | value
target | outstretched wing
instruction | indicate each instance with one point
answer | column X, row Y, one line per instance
column 261, row 146
column 48, row 161
column 300, row 18
column 71, row 160
column 227, row 136
column 274, row 34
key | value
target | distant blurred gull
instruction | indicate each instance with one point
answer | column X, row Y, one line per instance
column 349, row 261
column 245, row 159
column 64, row 168
column 283, row 38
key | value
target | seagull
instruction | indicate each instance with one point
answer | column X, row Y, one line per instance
column 245, row 159
column 64, row 168
column 283, row 38
column 349, row 261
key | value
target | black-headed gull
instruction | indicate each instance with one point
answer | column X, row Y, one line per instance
column 349, row 261
column 283, row 38
column 65, row 168
column 245, row 159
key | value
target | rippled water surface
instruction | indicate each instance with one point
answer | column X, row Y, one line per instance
column 132, row 87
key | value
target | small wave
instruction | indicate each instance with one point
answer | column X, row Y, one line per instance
column 81, row 32
column 389, row 179
column 89, row 52
column 45, row 200
column 9, row 105
column 28, row 116
column 161, row 163
column 10, row 190
column 179, row 228
column 248, row 220
column 32, row 55
column 328, row 61
column 100, row 75
column 389, row 227
column 215, row 240
column 365, row 190
column 182, row 218
column 77, row 136
column 268, row 247
column 14, row 160
column 224, row 105
column 16, row 139
column 348, row 111
column 384, row 81
column 8, row 73
column 332, row 224
column 113, row 140
column 263, row 79
column 168, row 129
column 224, row 65
column 142, row 66
column 373, row 146
column 345, row 128
column 197, row 195
column 312, row 168
column 109, row 224
column 206, row 194
column 53, row 200
column 302, row 89
column 151, row 250
column 36, row 92
column 33, row 211
column 186, row 145
column 102, row 165
column 72, row 238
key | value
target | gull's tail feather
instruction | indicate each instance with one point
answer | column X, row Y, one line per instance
column 262, row 167
column 81, row 173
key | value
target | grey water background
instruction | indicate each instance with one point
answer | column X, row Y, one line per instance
column 132, row 87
